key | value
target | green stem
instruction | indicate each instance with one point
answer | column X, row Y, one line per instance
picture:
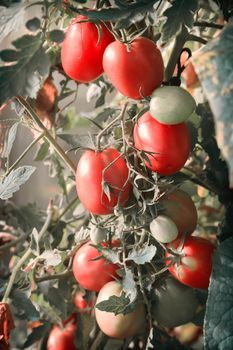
column 64, row 274
column 47, row 135
column 69, row 206
column 24, row 154
column 192, row 37
column 25, row 256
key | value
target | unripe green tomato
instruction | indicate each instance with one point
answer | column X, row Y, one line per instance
column 163, row 229
column 119, row 326
column 97, row 235
column 171, row 105
column 176, row 304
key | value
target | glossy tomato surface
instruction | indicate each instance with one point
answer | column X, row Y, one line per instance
column 170, row 144
column 119, row 326
column 62, row 337
column 179, row 206
column 135, row 71
column 195, row 265
column 92, row 274
column 90, row 176
column 82, row 50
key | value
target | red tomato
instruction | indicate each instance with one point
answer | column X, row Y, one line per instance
column 89, row 180
column 179, row 206
column 137, row 71
column 82, row 304
column 62, row 337
column 169, row 143
column 92, row 274
column 82, row 50
column 195, row 262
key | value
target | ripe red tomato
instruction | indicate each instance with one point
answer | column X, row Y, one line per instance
column 137, row 71
column 93, row 274
column 169, row 143
column 62, row 337
column 119, row 326
column 82, row 50
column 90, row 176
column 82, row 304
column 179, row 206
column 195, row 262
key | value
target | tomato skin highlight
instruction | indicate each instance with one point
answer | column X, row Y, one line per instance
column 92, row 274
column 195, row 262
column 89, row 178
column 169, row 143
column 135, row 73
column 119, row 326
column 62, row 338
column 82, row 51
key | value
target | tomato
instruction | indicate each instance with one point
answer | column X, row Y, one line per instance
column 175, row 303
column 119, row 326
column 90, row 176
column 82, row 50
column 179, row 206
column 194, row 265
column 163, row 229
column 136, row 71
column 82, row 304
column 62, row 337
column 93, row 274
column 170, row 144
column 171, row 105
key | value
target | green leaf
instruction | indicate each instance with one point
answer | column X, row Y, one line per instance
column 14, row 180
column 129, row 285
column 56, row 36
column 36, row 334
column 219, row 310
column 214, row 66
column 42, row 152
column 142, row 255
column 33, row 24
column 23, row 305
column 133, row 12
column 77, row 140
column 9, row 55
column 23, row 77
column 117, row 305
column 179, row 13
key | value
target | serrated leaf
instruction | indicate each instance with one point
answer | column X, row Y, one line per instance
column 77, row 140
column 10, row 140
column 23, row 78
column 129, row 285
column 14, row 180
column 214, row 67
column 142, row 255
column 51, row 257
column 180, row 12
column 218, row 329
column 33, row 24
column 109, row 255
column 117, row 305
column 56, row 36
column 82, row 235
column 35, row 242
column 93, row 92
column 42, row 152
column 56, row 299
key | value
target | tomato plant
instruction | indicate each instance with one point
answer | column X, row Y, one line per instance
column 83, row 48
column 194, row 263
column 105, row 175
column 163, row 229
column 82, row 304
column 118, row 326
column 166, row 146
column 135, row 69
column 87, row 265
column 62, row 336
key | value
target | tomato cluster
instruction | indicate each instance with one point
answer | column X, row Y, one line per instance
column 160, row 145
